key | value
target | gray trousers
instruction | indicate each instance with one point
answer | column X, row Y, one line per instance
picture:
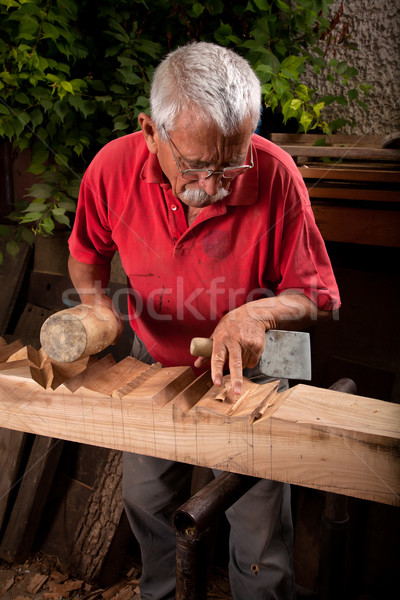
column 261, row 531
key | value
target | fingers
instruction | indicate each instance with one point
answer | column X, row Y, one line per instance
column 201, row 362
column 236, row 352
column 218, row 359
column 231, row 353
column 238, row 342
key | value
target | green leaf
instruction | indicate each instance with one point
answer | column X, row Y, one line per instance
column 337, row 124
column 66, row 85
column 341, row 100
column 40, row 190
column 129, row 76
column 86, row 107
column 27, row 236
column 362, row 104
column 9, row 78
column 36, row 118
column 293, row 64
column 255, row 46
column 67, row 205
column 36, row 169
column 126, row 61
column 97, row 85
column 320, row 142
column 352, row 94
column 197, row 8
column 31, row 217
column 120, row 125
column 222, row 33
column 12, row 247
column 306, row 120
column 318, row 107
column 22, row 98
column 60, row 216
column 283, row 6
column 48, row 225
column 262, row 4
column 117, row 89
column 36, row 207
column 303, row 93
column 342, row 67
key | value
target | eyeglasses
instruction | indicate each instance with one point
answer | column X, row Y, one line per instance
column 196, row 174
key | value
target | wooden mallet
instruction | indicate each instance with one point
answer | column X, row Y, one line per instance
column 77, row 332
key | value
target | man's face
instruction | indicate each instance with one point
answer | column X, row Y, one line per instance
column 200, row 145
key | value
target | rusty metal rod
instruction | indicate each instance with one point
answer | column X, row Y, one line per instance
column 193, row 522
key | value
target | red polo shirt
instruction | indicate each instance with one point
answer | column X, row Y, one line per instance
column 259, row 241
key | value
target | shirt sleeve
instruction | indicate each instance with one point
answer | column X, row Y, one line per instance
column 91, row 239
column 304, row 262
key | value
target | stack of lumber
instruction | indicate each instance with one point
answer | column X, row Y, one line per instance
column 353, row 183
column 307, row 436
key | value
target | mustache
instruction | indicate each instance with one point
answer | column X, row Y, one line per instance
column 200, row 195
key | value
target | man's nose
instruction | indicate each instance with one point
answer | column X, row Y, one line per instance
column 212, row 184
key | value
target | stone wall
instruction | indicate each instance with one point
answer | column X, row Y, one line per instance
column 375, row 29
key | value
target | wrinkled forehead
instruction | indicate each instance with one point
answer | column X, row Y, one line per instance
column 202, row 145
column 195, row 130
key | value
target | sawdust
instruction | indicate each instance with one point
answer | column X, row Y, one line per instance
column 41, row 578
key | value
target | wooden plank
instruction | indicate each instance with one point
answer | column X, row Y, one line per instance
column 32, row 495
column 316, row 438
column 309, row 139
column 358, row 225
column 12, row 448
column 9, row 349
column 346, row 174
column 343, row 152
column 11, row 275
column 31, row 320
column 352, row 193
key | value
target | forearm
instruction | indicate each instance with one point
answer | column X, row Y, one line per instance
column 90, row 281
column 290, row 310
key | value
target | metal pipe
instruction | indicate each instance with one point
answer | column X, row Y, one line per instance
column 193, row 522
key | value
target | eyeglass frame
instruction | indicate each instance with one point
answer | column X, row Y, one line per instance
column 186, row 172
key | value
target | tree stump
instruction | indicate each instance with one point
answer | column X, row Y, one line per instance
column 100, row 523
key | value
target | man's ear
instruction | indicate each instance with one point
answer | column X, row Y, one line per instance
column 149, row 132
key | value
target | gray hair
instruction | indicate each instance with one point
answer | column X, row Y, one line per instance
column 219, row 83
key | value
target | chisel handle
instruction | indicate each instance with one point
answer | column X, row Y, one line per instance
column 201, row 347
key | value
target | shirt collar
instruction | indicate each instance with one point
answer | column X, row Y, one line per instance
column 244, row 190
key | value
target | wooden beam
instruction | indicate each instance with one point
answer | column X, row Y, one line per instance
column 344, row 173
column 352, row 193
column 307, row 436
column 12, row 448
column 27, row 511
column 337, row 139
column 358, row 225
column 343, row 152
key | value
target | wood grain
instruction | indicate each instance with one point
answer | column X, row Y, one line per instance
column 312, row 437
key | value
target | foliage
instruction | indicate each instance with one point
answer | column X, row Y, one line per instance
column 76, row 73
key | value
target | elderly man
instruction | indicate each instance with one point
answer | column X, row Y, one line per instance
column 217, row 238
